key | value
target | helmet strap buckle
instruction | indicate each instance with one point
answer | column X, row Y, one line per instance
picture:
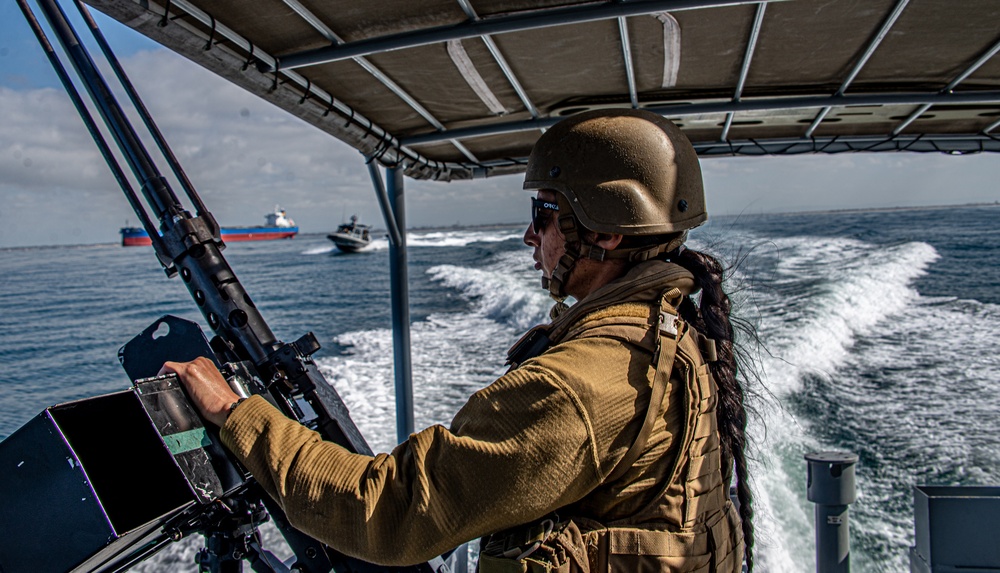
column 593, row 252
column 568, row 228
column 560, row 275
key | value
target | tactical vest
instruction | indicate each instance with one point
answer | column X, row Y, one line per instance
column 700, row 529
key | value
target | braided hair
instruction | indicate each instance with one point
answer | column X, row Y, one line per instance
column 711, row 317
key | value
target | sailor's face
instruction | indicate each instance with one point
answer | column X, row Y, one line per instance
column 548, row 242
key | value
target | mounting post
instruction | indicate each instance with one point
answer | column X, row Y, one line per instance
column 399, row 283
column 830, row 485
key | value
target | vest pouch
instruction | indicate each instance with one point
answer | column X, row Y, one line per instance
column 638, row 550
column 715, row 547
column 561, row 551
column 491, row 564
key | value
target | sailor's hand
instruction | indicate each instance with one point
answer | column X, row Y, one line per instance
column 207, row 388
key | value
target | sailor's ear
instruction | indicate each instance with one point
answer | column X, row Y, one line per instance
column 607, row 241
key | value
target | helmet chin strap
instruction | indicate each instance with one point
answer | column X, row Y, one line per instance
column 577, row 249
column 556, row 285
column 560, row 276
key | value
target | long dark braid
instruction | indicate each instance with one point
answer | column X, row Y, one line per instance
column 711, row 318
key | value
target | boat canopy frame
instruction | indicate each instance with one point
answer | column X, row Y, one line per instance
column 460, row 89
column 332, row 65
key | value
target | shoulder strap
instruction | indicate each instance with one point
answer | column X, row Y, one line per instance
column 534, row 342
column 670, row 329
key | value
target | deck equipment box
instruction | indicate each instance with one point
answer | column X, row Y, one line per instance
column 87, row 484
column 957, row 530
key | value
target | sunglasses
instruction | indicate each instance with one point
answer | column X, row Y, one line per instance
column 541, row 213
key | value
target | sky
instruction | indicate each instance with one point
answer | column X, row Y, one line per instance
column 245, row 156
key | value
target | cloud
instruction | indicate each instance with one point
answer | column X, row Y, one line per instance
column 244, row 156
column 37, row 154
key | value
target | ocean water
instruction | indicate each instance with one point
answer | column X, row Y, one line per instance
column 877, row 336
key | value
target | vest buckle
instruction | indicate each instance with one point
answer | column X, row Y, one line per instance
column 668, row 323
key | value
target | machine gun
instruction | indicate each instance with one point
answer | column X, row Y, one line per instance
column 143, row 469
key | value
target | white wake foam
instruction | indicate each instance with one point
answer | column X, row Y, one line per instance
column 841, row 289
column 460, row 238
column 454, row 354
column 845, row 288
column 319, row 250
column 502, row 295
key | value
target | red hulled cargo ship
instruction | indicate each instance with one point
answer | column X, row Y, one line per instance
column 278, row 226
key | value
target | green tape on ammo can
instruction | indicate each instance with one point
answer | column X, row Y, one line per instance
column 186, row 441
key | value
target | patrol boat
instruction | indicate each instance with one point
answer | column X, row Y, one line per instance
column 351, row 236
column 460, row 90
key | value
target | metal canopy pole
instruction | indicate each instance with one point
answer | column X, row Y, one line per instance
column 517, row 22
column 501, row 61
column 743, row 105
column 255, row 52
column 872, row 46
column 395, row 238
column 395, row 88
column 391, row 201
column 952, row 85
column 399, row 284
column 747, row 57
column 627, row 56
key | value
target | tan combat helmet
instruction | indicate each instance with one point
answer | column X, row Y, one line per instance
column 622, row 171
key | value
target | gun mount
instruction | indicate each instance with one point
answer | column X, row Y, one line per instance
column 111, row 480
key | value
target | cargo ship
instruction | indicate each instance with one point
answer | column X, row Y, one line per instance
column 277, row 226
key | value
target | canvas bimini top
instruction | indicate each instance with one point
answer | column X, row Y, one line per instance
column 456, row 89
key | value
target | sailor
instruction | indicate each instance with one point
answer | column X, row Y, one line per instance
column 610, row 443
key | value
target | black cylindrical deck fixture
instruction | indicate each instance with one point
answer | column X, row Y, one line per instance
column 830, row 486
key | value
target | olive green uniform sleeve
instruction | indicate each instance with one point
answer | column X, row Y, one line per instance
column 518, row 449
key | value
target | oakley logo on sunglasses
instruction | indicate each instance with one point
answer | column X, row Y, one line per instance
column 540, row 213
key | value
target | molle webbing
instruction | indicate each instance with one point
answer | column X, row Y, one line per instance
column 703, row 523
column 717, row 535
column 670, row 329
column 631, row 324
column 588, row 547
